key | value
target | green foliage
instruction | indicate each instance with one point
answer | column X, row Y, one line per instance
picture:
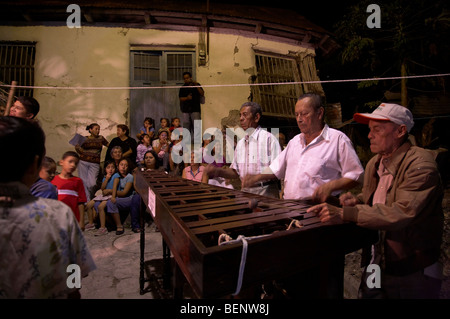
column 355, row 49
column 367, row 84
column 413, row 33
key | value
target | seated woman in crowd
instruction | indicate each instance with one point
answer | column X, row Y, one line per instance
column 194, row 171
column 116, row 155
column 161, row 147
column 127, row 143
column 150, row 161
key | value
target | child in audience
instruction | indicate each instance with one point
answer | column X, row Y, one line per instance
column 147, row 128
column 98, row 203
column 122, row 193
column 71, row 188
column 175, row 124
column 164, row 125
column 143, row 147
column 43, row 186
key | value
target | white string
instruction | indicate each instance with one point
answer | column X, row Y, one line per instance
column 242, row 265
column 218, row 85
column 244, row 239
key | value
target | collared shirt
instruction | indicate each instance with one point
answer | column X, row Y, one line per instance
column 194, row 175
column 304, row 167
column 40, row 238
column 384, row 183
column 255, row 152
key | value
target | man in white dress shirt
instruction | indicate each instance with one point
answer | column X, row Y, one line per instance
column 253, row 154
column 317, row 163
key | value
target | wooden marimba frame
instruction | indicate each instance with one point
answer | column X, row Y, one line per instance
column 191, row 217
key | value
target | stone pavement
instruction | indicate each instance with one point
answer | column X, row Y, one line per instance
column 118, row 264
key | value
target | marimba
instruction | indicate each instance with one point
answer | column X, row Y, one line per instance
column 208, row 228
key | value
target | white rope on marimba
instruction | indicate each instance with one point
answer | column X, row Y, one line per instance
column 225, row 239
column 242, row 265
column 296, row 223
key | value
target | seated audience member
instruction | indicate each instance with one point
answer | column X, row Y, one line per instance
column 176, row 161
column 402, row 199
column 121, row 197
column 176, row 123
column 43, row 186
column 116, row 155
column 25, row 107
column 194, row 171
column 151, row 161
column 163, row 125
column 126, row 142
column 142, row 148
column 147, row 128
column 98, row 203
column 43, row 236
column 70, row 187
column 161, row 145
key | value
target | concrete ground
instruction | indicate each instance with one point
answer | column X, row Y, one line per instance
column 118, row 264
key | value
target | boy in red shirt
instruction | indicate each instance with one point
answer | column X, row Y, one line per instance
column 71, row 188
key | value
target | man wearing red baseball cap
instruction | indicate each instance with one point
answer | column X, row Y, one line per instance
column 402, row 198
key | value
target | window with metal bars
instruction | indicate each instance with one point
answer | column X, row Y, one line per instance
column 153, row 67
column 17, row 64
column 276, row 99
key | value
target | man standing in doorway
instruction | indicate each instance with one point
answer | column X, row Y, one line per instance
column 190, row 96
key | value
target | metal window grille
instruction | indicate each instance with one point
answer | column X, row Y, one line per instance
column 177, row 63
column 151, row 67
column 277, row 99
column 17, row 64
column 146, row 67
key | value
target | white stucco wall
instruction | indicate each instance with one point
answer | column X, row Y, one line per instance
column 99, row 57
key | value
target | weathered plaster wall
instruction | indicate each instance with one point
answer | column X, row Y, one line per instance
column 99, row 57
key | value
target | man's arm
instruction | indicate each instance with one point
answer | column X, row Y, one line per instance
column 212, row 171
column 324, row 191
column 250, row 180
column 199, row 88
